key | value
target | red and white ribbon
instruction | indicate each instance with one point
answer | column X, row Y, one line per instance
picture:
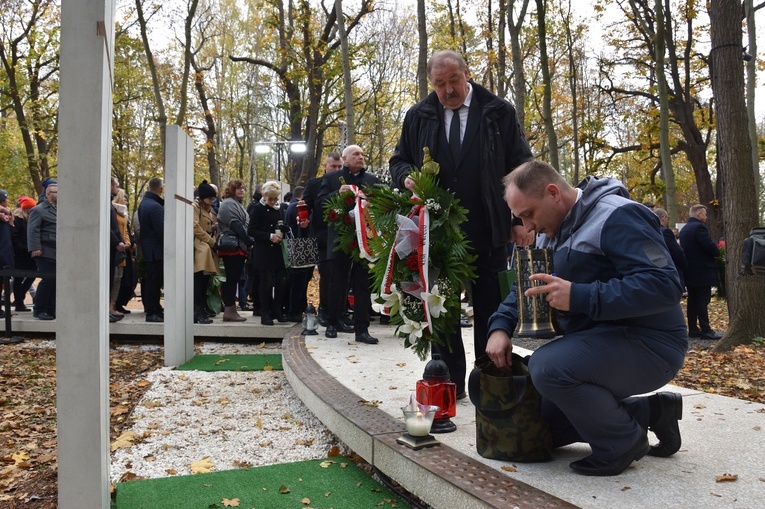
column 362, row 225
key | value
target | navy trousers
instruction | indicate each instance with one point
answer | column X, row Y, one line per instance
column 587, row 378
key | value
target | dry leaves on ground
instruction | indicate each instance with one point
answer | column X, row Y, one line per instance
column 28, row 417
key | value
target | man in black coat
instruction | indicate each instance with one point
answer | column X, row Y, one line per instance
column 318, row 228
column 339, row 265
column 675, row 251
column 151, row 215
column 475, row 154
column 701, row 274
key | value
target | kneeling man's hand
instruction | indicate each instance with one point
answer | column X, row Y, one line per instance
column 500, row 349
column 558, row 291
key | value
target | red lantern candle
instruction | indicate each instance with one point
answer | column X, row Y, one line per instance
column 302, row 210
column 436, row 389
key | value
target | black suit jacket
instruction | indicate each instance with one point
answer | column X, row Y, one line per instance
column 330, row 185
column 700, row 253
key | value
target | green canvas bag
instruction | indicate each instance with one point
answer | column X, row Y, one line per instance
column 509, row 425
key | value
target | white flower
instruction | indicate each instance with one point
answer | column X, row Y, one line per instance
column 435, row 301
column 390, row 301
column 411, row 328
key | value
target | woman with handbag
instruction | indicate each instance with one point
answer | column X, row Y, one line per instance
column 205, row 260
column 232, row 224
column 266, row 228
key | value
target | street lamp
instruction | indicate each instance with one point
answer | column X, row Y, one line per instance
column 295, row 146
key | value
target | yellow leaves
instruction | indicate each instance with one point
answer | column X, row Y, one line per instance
column 401, row 364
column 234, row 502
column 20, row 457
column 306, row 443
column 327, row 463
column 203, row 466
column 726, row 477
column 306, row 501
column 123, row 441
column 508, row 468
column 268, row 367
column 373, row 404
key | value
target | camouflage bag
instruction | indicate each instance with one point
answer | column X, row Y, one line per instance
column 509, row 425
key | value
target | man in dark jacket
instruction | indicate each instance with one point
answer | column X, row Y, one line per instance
column 701, row 274
column 318, row 227
column 151, row 215
column 675, row 251
column 339, row 265
column 41, row 243
column 618, row 299
column 487, row 144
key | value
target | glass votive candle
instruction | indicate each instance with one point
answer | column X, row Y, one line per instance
column 419, row 418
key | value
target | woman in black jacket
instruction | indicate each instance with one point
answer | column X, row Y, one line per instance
column 267, row 229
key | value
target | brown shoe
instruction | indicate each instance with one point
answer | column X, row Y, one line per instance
column 230, row 315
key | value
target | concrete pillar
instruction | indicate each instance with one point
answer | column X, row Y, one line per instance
column 82, row 349
column 179, row 247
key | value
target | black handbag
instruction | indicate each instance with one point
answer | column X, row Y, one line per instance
column 227, row 242
column 509, row 425
column 300, row 252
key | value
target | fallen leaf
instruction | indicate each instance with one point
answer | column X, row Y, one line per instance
column 726, row 477
column 392, row 387
column 170, row 471
column 306, row 501
column 20, row 457
column 262, row 345
column 283, row 489
column 268, row 367
column 202, row 466
column 326, row 463
column 334, row 451
column 123, row 441
column 401, row 364
column 508, row 468
column 626, row 488
column 234, row 502
column 259, row 424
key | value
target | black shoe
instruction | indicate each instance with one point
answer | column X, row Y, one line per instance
column 245, row 307
column 462, row 395
column 265, row 319
column 710, row 335
column 344, row 327
column 122, row 310
column 155, row 318
column 21, row 308
column 666, row 428
column 2, row 314
column 202, row 318
column 282, row 319
column 209, row 312
column 364, row 337
column 464, row 322
column 45, row 316
column 114, row 318
column 594, row 466
column 694, row 334
column 322, row 320
column 331, row 332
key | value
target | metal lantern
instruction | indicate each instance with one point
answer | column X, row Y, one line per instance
column 535, row 317
column 436, row 389
column 309, row 321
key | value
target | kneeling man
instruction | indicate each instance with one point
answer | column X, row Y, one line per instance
column 617, row 293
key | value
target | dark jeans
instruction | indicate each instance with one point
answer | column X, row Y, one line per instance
column 20, row 288
column 486, row 300
column 698, row 300
column 340, row 270
column 298, row 280
column 128, row 282
column 201, row 281
column 234, row 266
column 151, row 287
column 272, row 289
column 586, row 380
column 45, row 298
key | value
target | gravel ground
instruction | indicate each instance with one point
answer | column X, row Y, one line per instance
column 236, row 419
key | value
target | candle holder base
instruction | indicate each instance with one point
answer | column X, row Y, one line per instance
column 309, row 332
column 443, row 426
column 417, row 443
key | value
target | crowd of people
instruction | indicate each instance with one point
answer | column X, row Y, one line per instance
column 620, row 270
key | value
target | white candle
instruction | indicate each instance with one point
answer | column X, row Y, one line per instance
column 418, row 426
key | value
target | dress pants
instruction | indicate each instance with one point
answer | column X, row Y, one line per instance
column 340, row 270
column 586, row 380
column 272, row 289
column 697, row 303
column 486, row 300
column 234, row 265
column 298, row 280
column 151, row 287
column 45, row 298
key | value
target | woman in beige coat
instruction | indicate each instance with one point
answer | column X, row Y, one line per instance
column 205, row 259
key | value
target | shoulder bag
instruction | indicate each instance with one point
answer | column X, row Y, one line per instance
column 227, row 242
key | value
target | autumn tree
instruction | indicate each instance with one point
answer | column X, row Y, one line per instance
column 29, row 41
column 746, row 295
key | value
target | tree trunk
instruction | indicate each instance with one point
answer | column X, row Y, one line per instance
column 422, row 55
column 210, row 130
column 519, row 78
column 501, row 50
column 746, row 295
column 552, row 138
column 572, row 80
column 161, row 115
column 751, row 86
column 668, row 172
column 347, row 82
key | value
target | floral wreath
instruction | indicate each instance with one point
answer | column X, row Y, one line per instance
column 423, row 258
